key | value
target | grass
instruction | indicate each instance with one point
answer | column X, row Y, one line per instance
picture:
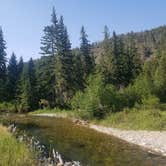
column 134, row 119
column 63, row 113
column 129, row 119
column 7, row 107
column 12, row 152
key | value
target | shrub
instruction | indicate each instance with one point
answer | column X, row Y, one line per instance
column 76, row 100
column 151, row 102
column 98, row 98
column 8, row 107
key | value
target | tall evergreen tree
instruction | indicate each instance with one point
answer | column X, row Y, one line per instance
column 2, row 66
column 63, row 66
column 106, row 61
column 26, row 91
column 118, row 52
column 112, row 64
column 12, row 78
column 20, row 67
column 49, row 40
column 80, row 83
column 87, row 60
column 29, row 96
column 45, row 73
column 132, row 60
column 33, row 84
column 160, row 79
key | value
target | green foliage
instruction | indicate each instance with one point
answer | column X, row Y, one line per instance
column 8, row 107
column 120, row 62
column 12, row 152
column 46, row 79
column 90, row 100
column 64, row 69
column 87, row 59
column 25, row 95
column 127, row 74
column 160, row 79
column 151, row 102
column 28, row 98
column 137, row 119
column 12, row 77
column 49, row 39
column 98, row 98
column 2, row 66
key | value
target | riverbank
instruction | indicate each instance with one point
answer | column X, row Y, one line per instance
column 12, row 152
column 151, row 140
column 129, row 119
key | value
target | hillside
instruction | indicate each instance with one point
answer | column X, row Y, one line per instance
column 149, row 42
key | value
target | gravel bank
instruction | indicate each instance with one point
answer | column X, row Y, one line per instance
column 152, row 140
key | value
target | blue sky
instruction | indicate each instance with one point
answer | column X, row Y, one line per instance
column 23, row 20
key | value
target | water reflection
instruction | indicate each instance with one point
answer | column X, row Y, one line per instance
column 85, row 145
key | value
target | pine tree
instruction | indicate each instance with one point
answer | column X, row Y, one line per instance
column 105, row 66
column 49, row 47
column 63, row 66
column 29, row 96
column 160, row 79
column 87, row 60
column 49, row 40
column 2, row 66
column 26, row 91
column 79, row 82
column 45, row 74
column 132, row 59
column 20, row 67
column 12, row 77
column 33, row 84
column 118, row 62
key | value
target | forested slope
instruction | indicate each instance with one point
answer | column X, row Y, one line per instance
column 120, row 72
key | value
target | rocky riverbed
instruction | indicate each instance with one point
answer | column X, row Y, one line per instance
column 152, row 140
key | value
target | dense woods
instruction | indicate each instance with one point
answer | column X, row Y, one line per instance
column 120, row 72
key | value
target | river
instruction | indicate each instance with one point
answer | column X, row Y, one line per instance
column 82, row 144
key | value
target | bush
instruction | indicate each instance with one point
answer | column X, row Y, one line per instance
column 8, row 107
column 90, row 100
column 151, row 102
column 76, row 100
column 98, row 99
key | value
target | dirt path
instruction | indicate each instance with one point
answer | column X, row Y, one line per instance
column 153, row 140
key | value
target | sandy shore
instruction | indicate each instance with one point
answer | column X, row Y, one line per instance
column 153, row 140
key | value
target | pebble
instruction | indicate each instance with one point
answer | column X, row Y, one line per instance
column 153, row 140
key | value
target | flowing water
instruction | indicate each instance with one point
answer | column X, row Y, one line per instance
column 82, row 144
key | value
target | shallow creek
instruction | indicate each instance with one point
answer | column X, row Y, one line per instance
column 82, row 144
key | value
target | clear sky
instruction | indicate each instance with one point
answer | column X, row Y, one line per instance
column 23, row 20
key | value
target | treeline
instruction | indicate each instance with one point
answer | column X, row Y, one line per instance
column 149, row 43
column 35, row 83
column 79, row 79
